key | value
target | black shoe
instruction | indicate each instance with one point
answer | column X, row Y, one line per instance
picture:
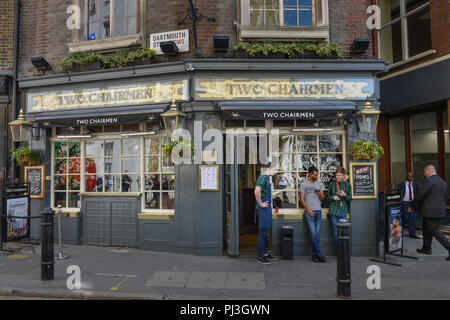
column 264, row 260
column 448, row 258
column 315, row 259
column 322, row 258
column 270, row 257
column 414, row 237
column 422, row 250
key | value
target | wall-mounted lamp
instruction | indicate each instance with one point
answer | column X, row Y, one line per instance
column 20, row 128
column 368, row 118
column 169, row 48
column 221, row 43
column 41, row 64
column 360, row 46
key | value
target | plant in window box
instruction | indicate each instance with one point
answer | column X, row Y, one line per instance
column 26, row 157
column 330, row 51
column 240, row 50
column 309, row 51
column 84, row 61
column 366, row 150
column 268, row 50
column 184, row 145
column 296, row 50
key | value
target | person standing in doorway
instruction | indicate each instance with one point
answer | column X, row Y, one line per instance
column 311, row 196
column 432, row 198
column 263, row 212
column 340, row 195
column 409, row 191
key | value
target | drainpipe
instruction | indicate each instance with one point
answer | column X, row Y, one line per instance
column 14, row 104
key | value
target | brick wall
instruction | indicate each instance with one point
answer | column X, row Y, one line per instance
column 44, row 32
column 6, row 34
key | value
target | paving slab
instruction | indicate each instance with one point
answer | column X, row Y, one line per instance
column 168, row 279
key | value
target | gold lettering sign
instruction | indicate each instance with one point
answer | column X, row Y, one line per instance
column 111, row 96
column 267, row 89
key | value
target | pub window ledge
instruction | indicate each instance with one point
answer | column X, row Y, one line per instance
column 284, row 33
column 68, row 212
column 109, row 44
column 157, row 215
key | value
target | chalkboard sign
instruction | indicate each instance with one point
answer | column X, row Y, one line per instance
column 363, row 180
column 35, row 177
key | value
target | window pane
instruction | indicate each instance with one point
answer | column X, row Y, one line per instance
column 424, row 145
column 119, row 28
column 112, row 165
column 152, row 182
column 287, row 143
column 285, row 162
column 119, row 8
column 131, row 7
column 91, row 183
column 285, row 199
column 330, row 143
column 305, row 161
column 94, row 148
column 131, row 164
column 152, row 146
column 60, row 149
column 74, row 165
column 397, row 149
column 131, row 183
column 74, row 182
column 391, row 43
column 60, row 199
column 131, row 25
column 168, row 200
column 390, row 10
column 112, row 147
column 152, row 200
column 285, row 180
column 257, row 17
column 290, row 17
column 74, row 149
column 419, row 33
column 329, row 162
column 60, row 183
column 168, row 182
column 94, row 165
column 61, row 166
column 112, row 183
column 305, row 17
column 307, row 143
column 413, row 4
column 152, row 164
column 74, row 200
column 131, row 147
column 98, row 183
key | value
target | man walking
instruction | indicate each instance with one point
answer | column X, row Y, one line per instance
column 263, row 211
column 311, row 195
column 432, row 198
column 409, row 191
column 340, row 195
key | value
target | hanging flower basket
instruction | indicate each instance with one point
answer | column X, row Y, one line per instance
column 188, row 144
column 26, row 157
column 366, row 150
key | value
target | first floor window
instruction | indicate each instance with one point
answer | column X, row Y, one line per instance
column 405, row 29
column 281, row 12
column 297, row 153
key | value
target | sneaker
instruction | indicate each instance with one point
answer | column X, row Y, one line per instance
column 322, row 258
column 314, row 258
column 422, row 250
column 264, row 260
column 270, row 257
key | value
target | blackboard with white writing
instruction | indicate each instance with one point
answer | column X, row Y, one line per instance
column 363, row 180
column 35, row 177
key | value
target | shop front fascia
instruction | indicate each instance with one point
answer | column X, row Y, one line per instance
column 221, row 94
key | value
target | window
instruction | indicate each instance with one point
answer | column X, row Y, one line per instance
column 159, row 175
column 297, row 154
column 109, row 163
column 405, row 29
column 281, row 12
column 397, row 149
column 67, row 174
column 110, row 18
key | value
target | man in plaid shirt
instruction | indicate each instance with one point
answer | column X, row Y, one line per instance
column 339, row 195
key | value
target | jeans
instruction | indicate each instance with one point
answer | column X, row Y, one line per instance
column 409, row 218
column 314, row 229
column 262, row 242
column 334, row 220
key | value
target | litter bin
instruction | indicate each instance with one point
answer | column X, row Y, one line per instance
column 287, row 242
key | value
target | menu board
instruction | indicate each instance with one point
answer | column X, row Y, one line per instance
column 209, row 178
column 35, row 177
column 363, row 180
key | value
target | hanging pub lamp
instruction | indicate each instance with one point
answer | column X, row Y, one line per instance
column 368, row 118
column 20, row 128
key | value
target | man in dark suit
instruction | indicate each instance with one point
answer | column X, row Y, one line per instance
column 432, row 198
column 409, row 191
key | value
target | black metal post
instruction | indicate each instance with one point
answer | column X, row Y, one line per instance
column 47, row 255
column 343, row 260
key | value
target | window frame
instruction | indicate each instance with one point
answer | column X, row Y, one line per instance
column 403, row 19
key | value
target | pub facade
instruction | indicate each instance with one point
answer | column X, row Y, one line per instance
column 104, row 141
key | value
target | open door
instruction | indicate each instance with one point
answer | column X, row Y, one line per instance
column 232, row 205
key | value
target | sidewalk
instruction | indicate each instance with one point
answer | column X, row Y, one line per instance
column 122, row 273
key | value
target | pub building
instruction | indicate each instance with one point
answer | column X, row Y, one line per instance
column 102, row 137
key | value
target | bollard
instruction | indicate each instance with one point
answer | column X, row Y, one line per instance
column 343, row 260
column 47, row 258
column 60, row 255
